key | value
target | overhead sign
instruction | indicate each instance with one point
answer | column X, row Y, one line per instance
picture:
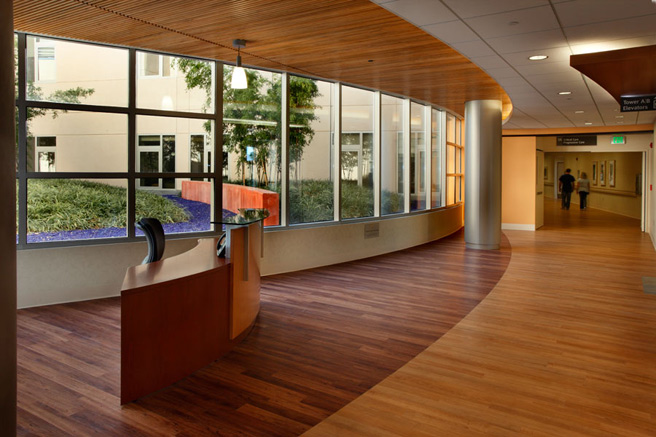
column 576, row 140
column 638, row 103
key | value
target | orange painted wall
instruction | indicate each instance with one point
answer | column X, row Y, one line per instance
column 518, row 181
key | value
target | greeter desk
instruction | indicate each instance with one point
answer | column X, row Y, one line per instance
column 182, row 313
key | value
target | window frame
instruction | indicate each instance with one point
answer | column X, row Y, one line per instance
column 213, row 171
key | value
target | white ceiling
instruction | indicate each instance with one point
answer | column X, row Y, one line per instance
column 500, row 35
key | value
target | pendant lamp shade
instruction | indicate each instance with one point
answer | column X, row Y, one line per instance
column 239, row 81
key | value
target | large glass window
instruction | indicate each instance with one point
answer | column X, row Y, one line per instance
column 65, row 151
column 436, row 160
column 164, row 145
column 76, row 141
column 311, row 127
column 72, row 72
column 251, row 143
column 391, row 155
column 454, row 161
column 74, row 209
column 417, row 157
column 357, row 161
column 172, row 83
column 200, row 154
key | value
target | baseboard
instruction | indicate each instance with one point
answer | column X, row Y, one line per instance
column 517, row 227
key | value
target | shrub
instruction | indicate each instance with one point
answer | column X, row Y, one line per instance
column 64, row 204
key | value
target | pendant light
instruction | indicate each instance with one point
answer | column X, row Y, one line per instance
column 239, row 81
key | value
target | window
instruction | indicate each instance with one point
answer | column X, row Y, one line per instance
column 392, row 155
column 417, row 157
column 77, row 148
column 311, row 130
column 436, row 160
column 357, row 157
column 156, row 155
column 45, row 153
column 200, row 155
column 252, row 142
column 454, row 164
column 154, row 65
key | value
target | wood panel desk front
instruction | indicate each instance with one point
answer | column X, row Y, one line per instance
column 182, row 313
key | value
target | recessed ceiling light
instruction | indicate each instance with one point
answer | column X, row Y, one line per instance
column 620, row 122
column 538, row 57
column 619, row 116
column 579, row 112
column 587, row 123
column 565, row 93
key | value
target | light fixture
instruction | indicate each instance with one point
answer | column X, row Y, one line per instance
column 587, row 123
column 565, row 93
column 579, row 112
column 239, row 81
column 537, row 57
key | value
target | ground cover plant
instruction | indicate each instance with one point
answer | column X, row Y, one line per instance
column 62, row 205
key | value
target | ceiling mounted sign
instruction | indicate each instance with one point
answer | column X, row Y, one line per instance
column 638, row 103
column 576, row 140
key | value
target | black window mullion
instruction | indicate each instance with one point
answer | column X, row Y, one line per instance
column 132, row 138
column 22, row 141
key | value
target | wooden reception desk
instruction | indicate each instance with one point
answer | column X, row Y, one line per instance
column 182, row 313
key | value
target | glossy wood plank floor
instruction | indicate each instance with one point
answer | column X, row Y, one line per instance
column 565, row 345
column 323, row 337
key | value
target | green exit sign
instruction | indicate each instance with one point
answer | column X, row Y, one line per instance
column 618, row 140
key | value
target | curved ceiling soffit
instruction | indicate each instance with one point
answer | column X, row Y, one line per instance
column 353, row 41
column 626, row 72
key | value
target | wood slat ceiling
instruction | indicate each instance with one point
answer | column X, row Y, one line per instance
column 333, row 39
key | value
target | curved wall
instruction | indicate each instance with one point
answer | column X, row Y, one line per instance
column 68, row 274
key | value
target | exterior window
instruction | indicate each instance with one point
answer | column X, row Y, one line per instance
column 156, row 155
column 45, row 67
column 200, row 155
column 41, row 154
column 357, row 159
column 392, row 155
column 311, row 130
column 436, row 161
column 154, row 65
column 252, row 143
column 417, row 157
column 454, row 154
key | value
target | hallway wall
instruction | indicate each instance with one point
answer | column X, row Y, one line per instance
column 623, row 198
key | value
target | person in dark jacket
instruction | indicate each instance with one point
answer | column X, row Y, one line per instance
column 566, row 186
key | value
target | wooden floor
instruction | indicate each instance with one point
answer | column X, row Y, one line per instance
column 323, row 337
column 565, row 345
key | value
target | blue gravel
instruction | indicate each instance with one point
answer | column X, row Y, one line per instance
column 199, row 221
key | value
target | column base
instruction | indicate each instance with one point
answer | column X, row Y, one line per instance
column 496, row 246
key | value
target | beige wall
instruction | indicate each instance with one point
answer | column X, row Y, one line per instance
column 620, row 199
column 65, row 274
column 518, row 182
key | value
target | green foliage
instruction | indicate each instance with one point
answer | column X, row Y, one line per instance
column 310, row 201
column 357, row 201
column 63, row 204
column 252, row 116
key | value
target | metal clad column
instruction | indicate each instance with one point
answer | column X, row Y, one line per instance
column 483, row 174
column 7, row 225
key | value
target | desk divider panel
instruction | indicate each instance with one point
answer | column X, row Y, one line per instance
column 180, row 314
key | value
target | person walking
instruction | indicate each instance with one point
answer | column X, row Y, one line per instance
column 566, row 186
column 583, row 188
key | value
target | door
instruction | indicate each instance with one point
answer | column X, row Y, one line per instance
column 559, row 169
